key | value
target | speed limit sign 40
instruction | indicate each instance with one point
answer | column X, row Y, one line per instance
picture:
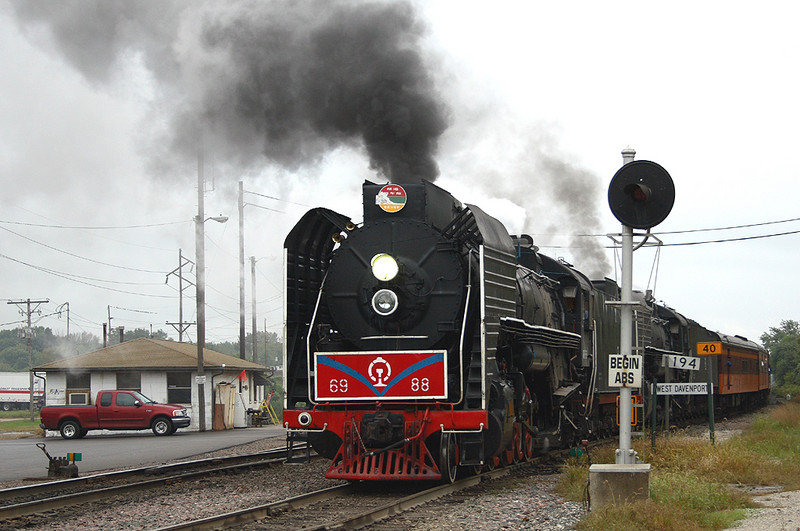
column 708, row 349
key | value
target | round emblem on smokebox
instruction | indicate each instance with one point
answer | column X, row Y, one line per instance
column 391, row 198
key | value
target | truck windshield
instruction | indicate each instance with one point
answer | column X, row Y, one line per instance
column 143, row 399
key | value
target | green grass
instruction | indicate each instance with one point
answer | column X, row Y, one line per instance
column 21, row 426
column 690, row 479
column 17, row 414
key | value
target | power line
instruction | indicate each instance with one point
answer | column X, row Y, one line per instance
column 683, row 244
column 265, row 208
column 711, row 229
column 743, row 238
column 733, row 227
column 276, row 198
column 679, row 244
column 87, row 227
column 79, row 256
column 68, row 277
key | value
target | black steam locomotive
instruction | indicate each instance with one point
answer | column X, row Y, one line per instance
column 428, row 339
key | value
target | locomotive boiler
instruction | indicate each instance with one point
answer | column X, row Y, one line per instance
column 427, row 339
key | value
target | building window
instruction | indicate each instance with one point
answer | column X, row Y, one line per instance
column 179, row 387
column 129, row 381
column 78, row 388
column 79, row 381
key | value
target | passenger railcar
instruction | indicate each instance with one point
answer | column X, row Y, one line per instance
column 427, row 339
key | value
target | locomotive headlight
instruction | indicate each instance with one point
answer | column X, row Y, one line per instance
column 384, row 267
column 304, row 418
column 384, row 302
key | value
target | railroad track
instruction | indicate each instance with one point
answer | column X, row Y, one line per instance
column 350, row 506
column 29, row 500
column 347, row 506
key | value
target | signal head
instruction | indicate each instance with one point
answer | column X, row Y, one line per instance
column 641, row 194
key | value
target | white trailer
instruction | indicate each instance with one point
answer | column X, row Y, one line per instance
column 15, row 390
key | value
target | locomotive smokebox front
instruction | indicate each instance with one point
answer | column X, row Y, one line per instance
column 397, row 281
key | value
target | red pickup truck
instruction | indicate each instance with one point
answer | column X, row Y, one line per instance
column 115, row 410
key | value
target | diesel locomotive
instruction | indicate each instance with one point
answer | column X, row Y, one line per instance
column 427, row 340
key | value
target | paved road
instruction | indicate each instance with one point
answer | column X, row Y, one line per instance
column 22, row 459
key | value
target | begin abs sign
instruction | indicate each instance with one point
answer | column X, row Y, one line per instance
column 624, row 371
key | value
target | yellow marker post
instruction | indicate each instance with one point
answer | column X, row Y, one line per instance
column 710, row 349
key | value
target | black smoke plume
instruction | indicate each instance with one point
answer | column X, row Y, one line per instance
column 289, row 80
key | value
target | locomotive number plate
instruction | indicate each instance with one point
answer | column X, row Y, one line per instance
column 380, row 375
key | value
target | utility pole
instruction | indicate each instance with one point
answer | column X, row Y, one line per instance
column 29, row 335
column 241, row 272
column 200, row 287
column 59, row 314
column 180, row 326
column 253, row 295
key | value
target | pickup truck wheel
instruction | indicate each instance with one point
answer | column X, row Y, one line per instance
column 162, row 426
column 70, row 429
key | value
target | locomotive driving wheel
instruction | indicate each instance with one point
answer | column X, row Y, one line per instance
column 519, row 454
column 527, row 444
column 507, row 457
column 448, row 457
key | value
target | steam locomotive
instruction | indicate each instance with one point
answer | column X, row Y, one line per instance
column 428, row 340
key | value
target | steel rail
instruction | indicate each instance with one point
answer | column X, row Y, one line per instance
column 77, row 498
column 55, row 486
column 397, row 507
column 259, row 512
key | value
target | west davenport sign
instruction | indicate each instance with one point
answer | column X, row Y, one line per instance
column 682, row 388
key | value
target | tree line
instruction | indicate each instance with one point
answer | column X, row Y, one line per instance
column 15, row 355
column 783, row 344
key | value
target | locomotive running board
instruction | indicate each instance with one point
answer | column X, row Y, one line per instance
column 541, row 335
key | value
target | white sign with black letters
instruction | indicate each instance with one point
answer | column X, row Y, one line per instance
column 691, row 363
column 682, row 388
column 624, row 371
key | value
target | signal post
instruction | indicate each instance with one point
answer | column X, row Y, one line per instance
column 640, row 195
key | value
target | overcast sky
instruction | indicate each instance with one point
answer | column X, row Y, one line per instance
column 533, row 103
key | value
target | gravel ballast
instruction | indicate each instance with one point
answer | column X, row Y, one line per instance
column 524, row 500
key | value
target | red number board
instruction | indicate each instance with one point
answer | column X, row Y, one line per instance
column 380, row 375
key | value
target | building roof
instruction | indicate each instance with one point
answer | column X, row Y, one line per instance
column 145, row 353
